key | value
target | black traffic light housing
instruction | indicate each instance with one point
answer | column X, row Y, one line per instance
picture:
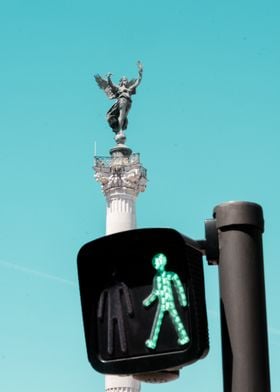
column 115, row 276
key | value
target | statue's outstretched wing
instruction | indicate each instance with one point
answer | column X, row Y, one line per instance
column 132, row 83
column 110, row 91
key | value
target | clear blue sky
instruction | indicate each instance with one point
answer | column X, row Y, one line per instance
column 205, row 120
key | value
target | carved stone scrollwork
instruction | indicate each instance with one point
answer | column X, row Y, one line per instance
column 126, row 173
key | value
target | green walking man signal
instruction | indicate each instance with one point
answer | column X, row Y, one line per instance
column 162, row 291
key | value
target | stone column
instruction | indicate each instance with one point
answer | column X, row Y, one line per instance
column 122, row 177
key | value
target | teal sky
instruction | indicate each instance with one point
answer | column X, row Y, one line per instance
column 205, row 120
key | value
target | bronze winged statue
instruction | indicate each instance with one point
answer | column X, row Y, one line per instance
column 117, row 114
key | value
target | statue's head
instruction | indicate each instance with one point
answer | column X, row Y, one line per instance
column 123, row 81
column 159, row 261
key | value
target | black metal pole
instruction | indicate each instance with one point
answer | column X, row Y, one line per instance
column 243, row 310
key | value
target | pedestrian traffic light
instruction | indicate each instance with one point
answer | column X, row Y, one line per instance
column 143, row 301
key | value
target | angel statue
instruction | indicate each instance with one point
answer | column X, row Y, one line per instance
column 117, row 114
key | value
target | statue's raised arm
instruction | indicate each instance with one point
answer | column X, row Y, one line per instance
column 135, row 82
column 117, row 114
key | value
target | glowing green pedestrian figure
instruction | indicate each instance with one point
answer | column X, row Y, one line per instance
column 162, row 291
